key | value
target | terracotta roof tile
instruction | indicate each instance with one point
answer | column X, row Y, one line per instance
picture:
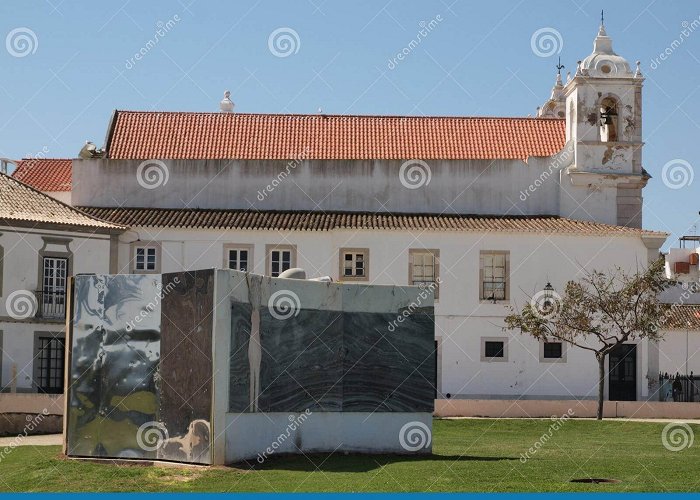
column 682, row 317
column 21, row 203
column 184, row 135
column 46, row 174
column 326, row 221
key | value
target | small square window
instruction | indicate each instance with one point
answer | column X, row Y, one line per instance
column 354, row 264
column 145, row 258
column 493, row 349
column 238, row 258
column 552, row 350
column 280, row 258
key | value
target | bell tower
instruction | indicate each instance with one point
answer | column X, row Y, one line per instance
column 604, row 129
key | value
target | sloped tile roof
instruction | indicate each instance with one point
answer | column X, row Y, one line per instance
column 185, row 135
column 682, row 317
column 21, row 203
column 46, row 174
column 326, row 221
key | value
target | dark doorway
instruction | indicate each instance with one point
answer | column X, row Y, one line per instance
column 623, row 373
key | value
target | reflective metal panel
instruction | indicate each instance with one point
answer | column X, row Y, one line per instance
column 115, row 349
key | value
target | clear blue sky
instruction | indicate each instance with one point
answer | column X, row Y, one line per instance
column 477, row 61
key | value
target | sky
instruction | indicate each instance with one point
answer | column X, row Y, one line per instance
column 66, row 65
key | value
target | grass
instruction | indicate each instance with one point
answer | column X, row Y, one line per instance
column 469, row 455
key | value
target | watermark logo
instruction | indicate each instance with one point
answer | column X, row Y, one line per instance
column 556, row 424
column 425, row 292
column 284, row 42
column 294, row 423
column 677, row 174
column 291, row 165
column 415, row 174
column 151, row 436
column 21, row 42
column 33, row 422
column 687, row 29
column 415, row 436
column 21, row 304
column 162, row 29
column 284, row 304
column 152, row 174
column 677, row 436
column 546, row 42
column 162, row 292
column 546, row 304
column 426, row 27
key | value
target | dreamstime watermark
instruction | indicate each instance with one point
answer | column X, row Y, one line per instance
column 677, row 436
column 425, row 29
column 415, row 174
column 152, row 174
column 546, row 304
column 677, row 174
column 163, row 28
column 688, row 28
column 546, row 42
column 21, row 304
column 561, row 160
column 152, row 305
column 284, row 304
column 556, row 424
column 21, row 42
column 284, row 42
column 415, row 436
column 425, row 292
column 151, row 435
column 33, row 422
column 291, row 165
column 294, row 423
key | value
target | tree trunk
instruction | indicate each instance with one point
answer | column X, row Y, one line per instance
column 601, row 383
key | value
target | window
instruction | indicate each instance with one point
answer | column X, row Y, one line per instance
column 53, row 292
column 354, row 264
column 48, row 372
column 423, row 268
column 494, row 275
column 552, row 352
column 238, row 257
column 146, row 257
column 552, row 349
column 280, row 258
column 494, row 349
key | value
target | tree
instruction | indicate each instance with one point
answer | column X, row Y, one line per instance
column 598, row 312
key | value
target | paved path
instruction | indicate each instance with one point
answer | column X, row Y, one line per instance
column 43, row 440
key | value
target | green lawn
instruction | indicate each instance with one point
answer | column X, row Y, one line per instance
column 469, row 455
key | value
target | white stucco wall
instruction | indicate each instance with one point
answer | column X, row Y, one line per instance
column 20, row 273
column 461, row 319
column 478, row 186
column 677, row 347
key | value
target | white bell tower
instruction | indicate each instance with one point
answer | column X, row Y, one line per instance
column 604, row 128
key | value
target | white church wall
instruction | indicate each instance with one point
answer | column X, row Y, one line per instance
column 462, row 320
column 469, row 187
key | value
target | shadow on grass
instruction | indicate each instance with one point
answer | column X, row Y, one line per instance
column 339, row 462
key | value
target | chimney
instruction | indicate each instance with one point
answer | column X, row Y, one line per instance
column 226, row 105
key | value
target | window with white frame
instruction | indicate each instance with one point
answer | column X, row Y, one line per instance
column 424, row 268
column 279, row 259
column 238, row 257
column 145, row 258
column 493, row 273
column 354, row 264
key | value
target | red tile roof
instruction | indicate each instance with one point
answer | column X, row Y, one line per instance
column 194, row 218
column 682, row 317
column 49, row 174
column 185, row 135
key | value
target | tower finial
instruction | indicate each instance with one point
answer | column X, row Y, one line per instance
column 560, row 66
column 602, row 18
